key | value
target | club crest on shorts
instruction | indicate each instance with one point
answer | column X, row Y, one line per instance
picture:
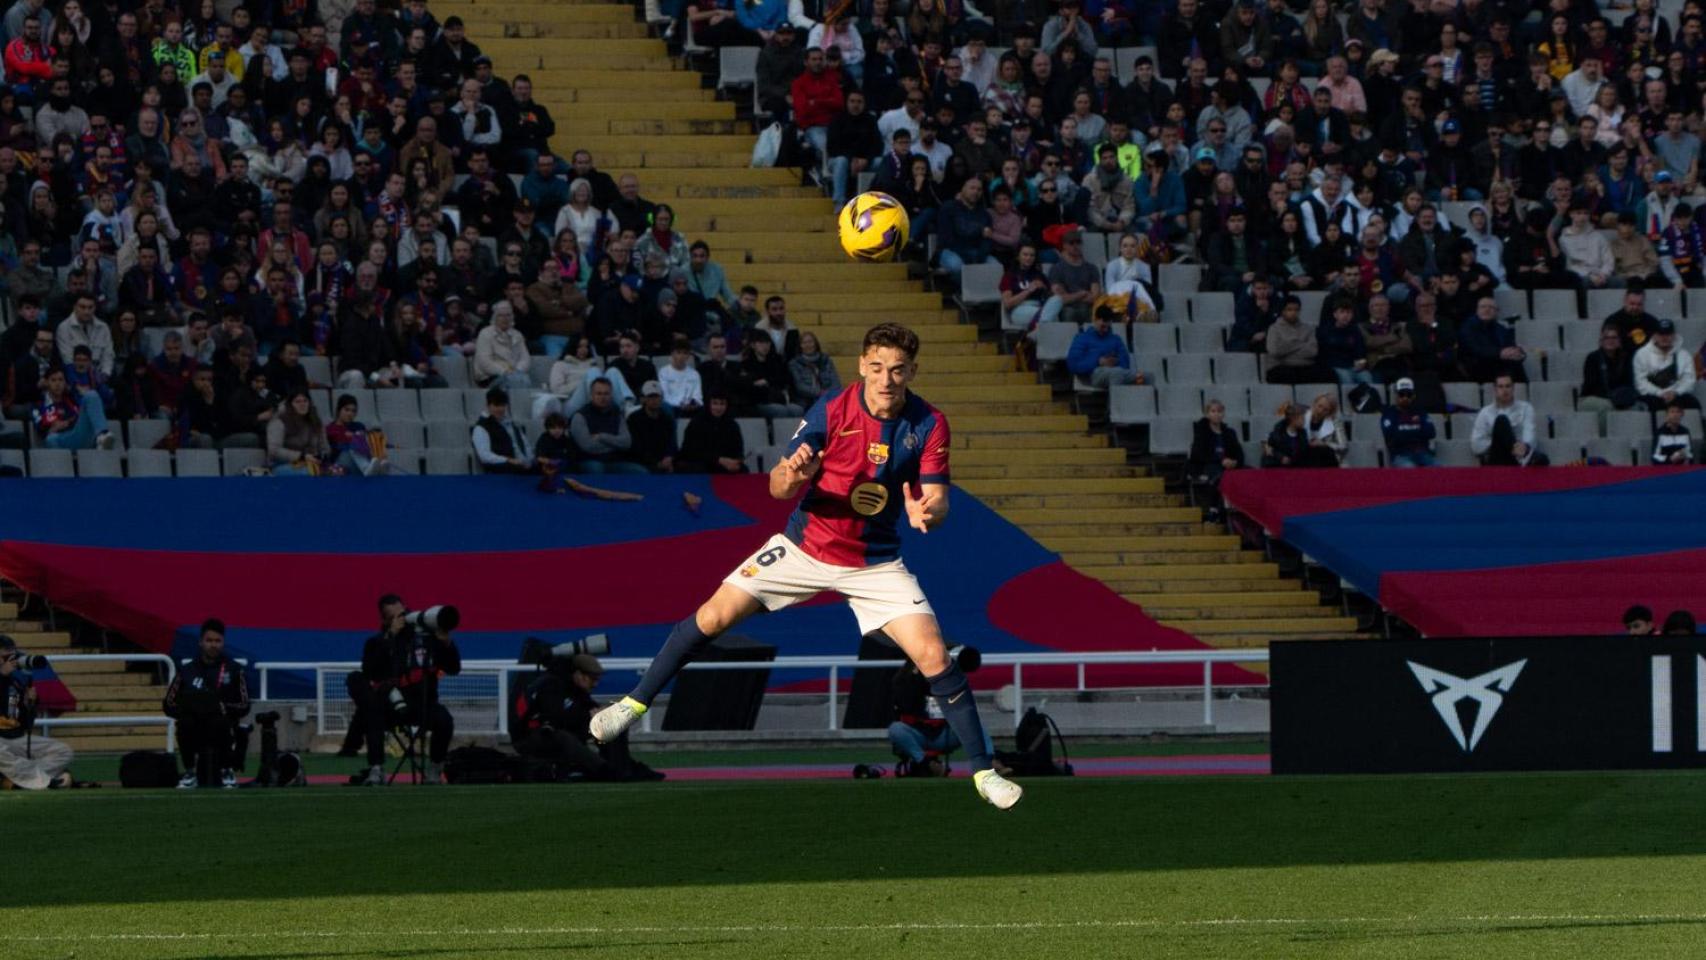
column 869, row 499
column 877, row 453
column 750, row 570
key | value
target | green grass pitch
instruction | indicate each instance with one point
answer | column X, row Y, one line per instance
column 1584, row 865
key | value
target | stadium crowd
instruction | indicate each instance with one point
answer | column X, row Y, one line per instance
column 201, row 203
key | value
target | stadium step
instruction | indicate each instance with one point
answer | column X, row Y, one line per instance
column 485, row 32
column 1203, row 577
column 1277, row 626
column 1024, row 440
column 600, row 98
column 1051, row 520
column 86, row 743
column 1072, row 485
column 1009, row 504
column 1038, row 457
column 1039, row 473
column 557, row 12
column 588, row 76
column 527, row 53
column 1288, row 600
column 693, row 118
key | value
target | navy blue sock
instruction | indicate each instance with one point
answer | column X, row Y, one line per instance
column 685, row 642
column 953, row 694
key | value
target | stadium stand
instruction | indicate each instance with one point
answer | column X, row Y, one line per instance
column 1220, row 106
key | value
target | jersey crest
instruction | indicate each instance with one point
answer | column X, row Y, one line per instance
column 877, row 453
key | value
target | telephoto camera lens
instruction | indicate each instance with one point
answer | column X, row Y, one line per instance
column 597, row 644
column 441, row 618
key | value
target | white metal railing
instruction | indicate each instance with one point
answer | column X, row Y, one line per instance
column 501, row 669
column 111, row 720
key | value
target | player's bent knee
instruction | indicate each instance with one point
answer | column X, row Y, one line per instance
column 727, row 607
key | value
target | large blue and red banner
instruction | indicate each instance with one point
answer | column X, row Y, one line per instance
column 294, row 567
column 1485, row 552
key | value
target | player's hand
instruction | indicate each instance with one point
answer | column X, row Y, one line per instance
column 804, row 463
column 921, row 509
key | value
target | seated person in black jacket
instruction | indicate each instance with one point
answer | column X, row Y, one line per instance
column 1288, row 444
column 652, row 430
column 554, row 719
column 398, row 687
column 713, row 443
column 1215, row 449
column 207, row 698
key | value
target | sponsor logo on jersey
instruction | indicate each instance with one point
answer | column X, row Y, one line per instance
column 869, row 499
column 877, row 453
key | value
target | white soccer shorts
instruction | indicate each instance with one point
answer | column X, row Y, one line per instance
column 780, row 575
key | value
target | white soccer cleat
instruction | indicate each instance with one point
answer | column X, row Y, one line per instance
column 1001, row 792
column 188, row 781
column 614, row 720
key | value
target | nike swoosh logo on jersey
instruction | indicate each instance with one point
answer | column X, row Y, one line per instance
column 956, row 697
column 917, row 602
column 849, row 433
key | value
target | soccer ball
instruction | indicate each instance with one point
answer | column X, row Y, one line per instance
column 874, row 226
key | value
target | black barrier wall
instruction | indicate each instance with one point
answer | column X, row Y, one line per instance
column 1561, row 703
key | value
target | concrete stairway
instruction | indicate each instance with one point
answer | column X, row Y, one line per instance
column 99, row 687
column 618, row 93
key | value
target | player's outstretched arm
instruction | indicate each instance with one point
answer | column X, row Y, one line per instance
column 927, row 506
column 792, row 474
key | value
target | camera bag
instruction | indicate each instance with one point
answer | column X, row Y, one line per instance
column 148, row 768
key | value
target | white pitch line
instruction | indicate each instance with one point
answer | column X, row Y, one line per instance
column 1225, row 922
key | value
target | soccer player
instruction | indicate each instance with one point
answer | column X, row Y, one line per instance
column 866, row 457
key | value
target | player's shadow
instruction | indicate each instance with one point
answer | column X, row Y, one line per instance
column 542, row 948
column 347, row 845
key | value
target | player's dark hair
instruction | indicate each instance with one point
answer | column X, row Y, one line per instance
column 213, row 625
column 891, row 335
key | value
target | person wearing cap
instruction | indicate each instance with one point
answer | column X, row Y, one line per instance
column 28, row 760
column 780, row 59
column 1074, row 283
column 653, row 428
column 554, row 723
column 1682, row 249
column 1664, row 371
column 1504, row 430
column 1655, row 210
column 1451, row 167
column 1408, row 429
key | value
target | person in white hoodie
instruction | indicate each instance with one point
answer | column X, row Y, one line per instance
column 1504, row 429
column 1587, row 253
column 1664, row 371
column 1489, row 249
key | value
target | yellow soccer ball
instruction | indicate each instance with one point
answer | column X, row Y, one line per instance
column 874, row 226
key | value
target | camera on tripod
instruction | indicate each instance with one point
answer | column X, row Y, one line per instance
column 441, row 618
column 556, row 656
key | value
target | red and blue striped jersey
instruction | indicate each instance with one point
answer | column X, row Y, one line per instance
column 851, row 513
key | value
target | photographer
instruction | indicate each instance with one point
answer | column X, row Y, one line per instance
column 554, row 723
column 919, row 727
column 401, row 665
column 207, row 698
column 27, row 762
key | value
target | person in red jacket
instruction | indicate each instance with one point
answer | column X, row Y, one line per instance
column 817, row 99
column 27, row 57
